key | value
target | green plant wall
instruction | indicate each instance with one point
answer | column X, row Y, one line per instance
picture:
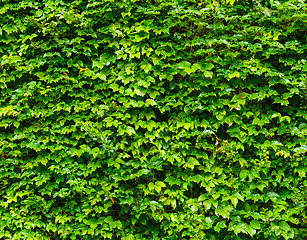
column 125, row 119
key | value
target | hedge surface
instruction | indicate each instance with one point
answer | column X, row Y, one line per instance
column 164, row 119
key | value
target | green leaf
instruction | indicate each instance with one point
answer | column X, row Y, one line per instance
column 150, row 125
column 16, row 124
column 243, row 174
column 195, row 67
column 251, row 231
column 130, row 130
column 285, row 226
column 234, row 74
column 208, row 74
column 238, row 228
column 220, row 225
column 255, row 224
column 192, row 162
column 208, row 220
column 202, row 197
column 273, row 194
column 118, row 224
column 160, row 184
column 151, row 186
column 32, row 84
column 150, row 102
column 184, row 65
column 300, row 150
column 207, row 66
column 93, row 222
column 207, row 204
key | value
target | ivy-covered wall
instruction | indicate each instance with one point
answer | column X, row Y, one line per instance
column 163, row 119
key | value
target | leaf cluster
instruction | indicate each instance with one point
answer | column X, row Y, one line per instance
column 153, row 119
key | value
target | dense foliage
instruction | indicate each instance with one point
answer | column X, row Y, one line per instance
column 164, row 119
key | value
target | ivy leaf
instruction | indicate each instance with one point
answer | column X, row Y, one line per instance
column 234, row 198
column 251, row 231
column 300, row 150
column 186, row 66
column 159, row 185
column 150, row 102
column 243, row 174
column 207, row 204
column 220, row 225
column 208, row 74
column 285, row 226
column 195, row 67
column 255, row 224
column 234, row 74
column 130, row 130
column 207, row 66
column 151, row 186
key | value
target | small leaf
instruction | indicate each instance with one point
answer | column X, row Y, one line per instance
column 208, row 66
column 184, row 65
column 272, row 194
column 243, row 174
column 16, row 124
column 301, row 149
column 234, row 74
column 160, row 184
column 31, row 84
column 195, row 67
column 251, row 230
column 255, row 224
column 238, row 196
column 208, row 74
column 151, row 186
column 285, row 226
column 207, row 204
column 208, row 220
column 202, row 197
column 130, row 130
column 150, row 102
column 220, row 225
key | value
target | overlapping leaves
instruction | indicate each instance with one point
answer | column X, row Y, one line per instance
column 153, row 120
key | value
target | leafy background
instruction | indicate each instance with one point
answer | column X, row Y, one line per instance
column 153, row 119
